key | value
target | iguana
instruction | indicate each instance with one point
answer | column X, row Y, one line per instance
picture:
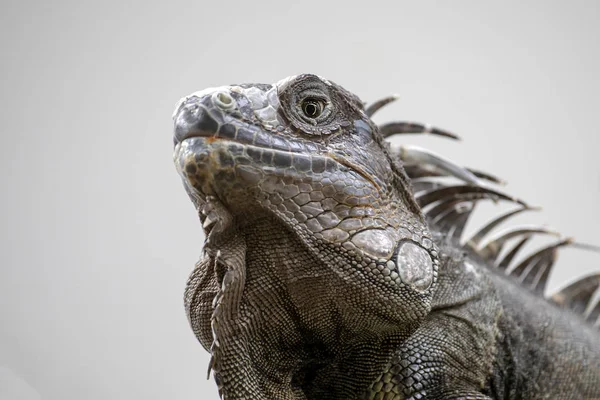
column 334, row 265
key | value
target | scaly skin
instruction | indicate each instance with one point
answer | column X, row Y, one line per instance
column 321, row 278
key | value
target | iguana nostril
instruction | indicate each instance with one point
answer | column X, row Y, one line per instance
column 415, row 266
column 223, row 100
column 193, row 120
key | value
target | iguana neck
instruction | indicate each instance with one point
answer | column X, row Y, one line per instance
column 300, row 326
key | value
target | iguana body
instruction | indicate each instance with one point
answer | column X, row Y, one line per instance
column 331, row 271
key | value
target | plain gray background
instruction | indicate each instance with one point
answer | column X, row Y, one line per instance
column 98, row 235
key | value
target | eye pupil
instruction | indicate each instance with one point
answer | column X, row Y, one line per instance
column 312, row 108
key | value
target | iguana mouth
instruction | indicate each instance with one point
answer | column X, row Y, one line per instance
column 211, row 125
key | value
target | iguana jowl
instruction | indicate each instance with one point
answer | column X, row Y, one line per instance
column 334, row 269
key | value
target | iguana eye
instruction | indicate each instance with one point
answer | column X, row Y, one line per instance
column 312, row 108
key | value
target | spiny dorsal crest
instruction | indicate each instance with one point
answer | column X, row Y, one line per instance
column 447, row 194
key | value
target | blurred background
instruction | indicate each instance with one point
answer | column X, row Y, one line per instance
column 98, row 235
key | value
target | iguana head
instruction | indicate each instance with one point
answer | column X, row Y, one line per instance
column 303, row 154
